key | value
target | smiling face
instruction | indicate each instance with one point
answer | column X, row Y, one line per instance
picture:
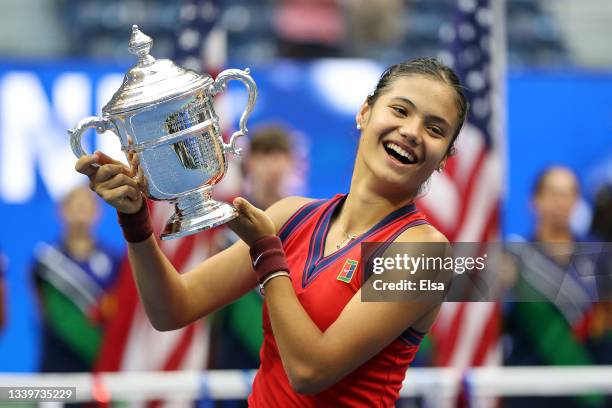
column 407, row 132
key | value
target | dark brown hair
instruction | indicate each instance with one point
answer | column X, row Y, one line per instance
column 270, row 139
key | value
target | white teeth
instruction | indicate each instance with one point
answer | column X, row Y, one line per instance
column 401, row 152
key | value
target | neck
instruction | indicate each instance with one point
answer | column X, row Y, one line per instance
column 551, row 233
column 79, row 244
column 366, row 205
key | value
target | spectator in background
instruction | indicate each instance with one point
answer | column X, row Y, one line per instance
column 72, row 278
column 268, row 166
column 546, row 323
column 237, row 329
column 309, row 28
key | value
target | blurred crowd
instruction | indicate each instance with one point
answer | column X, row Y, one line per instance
column 559, row 313
column 262, row 30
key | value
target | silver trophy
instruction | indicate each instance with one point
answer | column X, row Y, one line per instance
column 165, row 115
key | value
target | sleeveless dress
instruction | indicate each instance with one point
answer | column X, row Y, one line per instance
column 324, row 285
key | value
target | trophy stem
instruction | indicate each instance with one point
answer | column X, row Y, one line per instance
column 197, row 211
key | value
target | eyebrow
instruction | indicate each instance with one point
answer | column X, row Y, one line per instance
column 435, row 118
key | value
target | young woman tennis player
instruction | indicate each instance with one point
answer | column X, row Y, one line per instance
column 323, row 346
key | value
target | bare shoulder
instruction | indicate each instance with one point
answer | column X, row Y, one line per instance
column 422, row 233
column 424, row 239
column 283, row 209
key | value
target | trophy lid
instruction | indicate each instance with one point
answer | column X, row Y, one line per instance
column 151, row 81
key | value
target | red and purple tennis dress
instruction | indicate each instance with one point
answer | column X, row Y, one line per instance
column 324, row 285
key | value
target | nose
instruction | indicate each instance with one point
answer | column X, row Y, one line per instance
column 411, row 132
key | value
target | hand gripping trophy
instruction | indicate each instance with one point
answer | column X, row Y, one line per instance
column 164, row 114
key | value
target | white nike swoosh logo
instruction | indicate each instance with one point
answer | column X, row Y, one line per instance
column 257, row 260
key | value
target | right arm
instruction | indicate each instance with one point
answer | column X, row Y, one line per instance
column 172, row 300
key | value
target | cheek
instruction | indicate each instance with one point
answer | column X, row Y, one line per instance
column 436, row 152
column 380, row 120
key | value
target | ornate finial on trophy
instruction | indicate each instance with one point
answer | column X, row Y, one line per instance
column 140, row 44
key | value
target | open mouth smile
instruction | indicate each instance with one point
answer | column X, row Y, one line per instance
column 399, row 153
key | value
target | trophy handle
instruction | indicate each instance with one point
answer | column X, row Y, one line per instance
column 219, row 86
column 100, row 124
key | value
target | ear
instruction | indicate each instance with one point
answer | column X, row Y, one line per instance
column 363, row 114
column 452, row 150
column 442, row 163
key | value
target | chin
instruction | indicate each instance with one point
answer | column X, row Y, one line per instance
column 394, row 183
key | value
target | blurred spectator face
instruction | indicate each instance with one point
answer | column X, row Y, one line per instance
column 269, row 162
column 79, row 210
column 268, row 170
column 556, row 196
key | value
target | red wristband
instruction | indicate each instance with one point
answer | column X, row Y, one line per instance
column 136, row 227
column 268, row 256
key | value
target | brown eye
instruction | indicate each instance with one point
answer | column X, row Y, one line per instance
column 437, row 130
column 400, row 110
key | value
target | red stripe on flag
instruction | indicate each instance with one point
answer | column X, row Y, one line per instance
column 178, row 354
column 489, row 336
column 445, row 338
column 175, row 359
column 466, row 192
column 118, row 330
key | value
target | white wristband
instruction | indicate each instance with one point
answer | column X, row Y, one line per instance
column 270, row 277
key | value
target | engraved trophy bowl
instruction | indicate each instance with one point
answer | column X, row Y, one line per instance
column 164, row 114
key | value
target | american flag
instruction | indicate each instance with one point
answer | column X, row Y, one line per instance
column 464, row 200
column 131, row 343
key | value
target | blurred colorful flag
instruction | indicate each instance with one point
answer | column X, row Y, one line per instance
column 131, row 343
column 464, row 200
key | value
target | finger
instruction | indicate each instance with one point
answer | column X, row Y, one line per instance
column 118, row 181
column 240, row 202
column 243, row 206
column 84, row 165
column 247, row 210
column 103, row 158
column 132, row 193
column 134, row 161
column 117, row 195
column 108, row 171
column 141, row 180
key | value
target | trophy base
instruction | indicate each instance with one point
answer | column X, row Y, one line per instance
column 197, row 212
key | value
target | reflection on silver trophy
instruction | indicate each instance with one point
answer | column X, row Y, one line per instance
column 164, row 114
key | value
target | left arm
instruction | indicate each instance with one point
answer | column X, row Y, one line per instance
column 315, row 360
